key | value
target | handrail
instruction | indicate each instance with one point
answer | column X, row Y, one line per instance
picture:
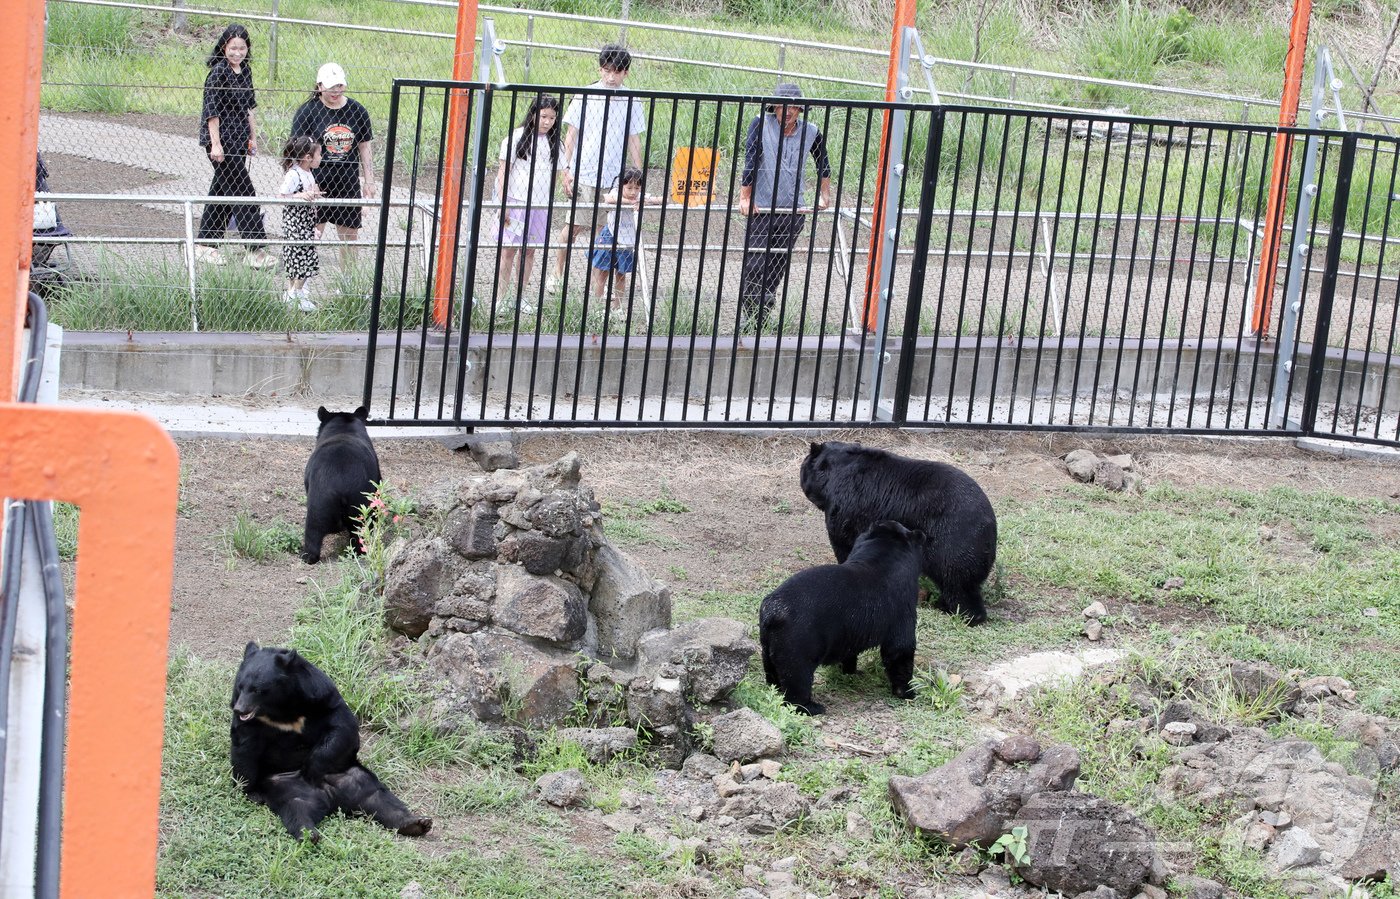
column 1014, row 71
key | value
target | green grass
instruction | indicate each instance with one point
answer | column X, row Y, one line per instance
column 65, row 530
column 261, row 543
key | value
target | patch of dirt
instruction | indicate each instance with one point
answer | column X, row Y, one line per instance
column 77, row 174
column 749, row 524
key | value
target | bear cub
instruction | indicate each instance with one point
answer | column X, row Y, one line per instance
column 295, row 746
column 340, row 474
column 856, row 486
column 828, row 614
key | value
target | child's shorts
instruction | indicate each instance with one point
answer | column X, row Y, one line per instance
column 516, row 226
column 606, row 259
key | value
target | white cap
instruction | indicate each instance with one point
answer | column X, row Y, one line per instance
column 329, row 75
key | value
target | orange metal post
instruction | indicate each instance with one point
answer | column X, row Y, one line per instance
column 1283, row 157
column 21, row 58
column 904, row 11
column 122, row 471
column 457, row 105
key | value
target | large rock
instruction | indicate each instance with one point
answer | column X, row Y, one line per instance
column 714, row 652
column 417, row 576
column 1262, row 685
column 626, row 602
column 1076, row 843
column 471, row 530
column 967, row 800
column 546, row 607
column 1290, row 777
column 600, row 744
column 744, row 735
column 503, row 678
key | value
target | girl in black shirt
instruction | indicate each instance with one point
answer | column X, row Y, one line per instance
column 228, row 133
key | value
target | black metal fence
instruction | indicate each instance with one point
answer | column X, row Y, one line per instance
column 1027, row 270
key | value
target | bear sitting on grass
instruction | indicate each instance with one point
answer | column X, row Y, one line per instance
column 856, row 486
column 340, row 476
column 828, row 614
column 295, row 746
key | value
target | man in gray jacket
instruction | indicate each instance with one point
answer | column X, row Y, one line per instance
column 771, row 193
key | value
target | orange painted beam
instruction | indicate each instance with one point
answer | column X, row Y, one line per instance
column 123, row 472
column 904, row 12
column 1283, row 158
column 21, row 59
column 458, row 105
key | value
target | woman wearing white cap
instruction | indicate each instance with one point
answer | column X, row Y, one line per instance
column 342, row 127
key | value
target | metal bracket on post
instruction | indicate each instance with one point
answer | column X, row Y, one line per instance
column 927, row 62
column 1293, row 286
column 272, row 42
column 894, row 179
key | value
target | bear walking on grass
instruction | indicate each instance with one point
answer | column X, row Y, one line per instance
column 828, row 614
column 295, row 746
column 856, row 486
column 340, row 476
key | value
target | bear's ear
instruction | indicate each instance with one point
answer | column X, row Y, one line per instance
column 250, row 649
column 816, row 449
column 287, row 659
column 323, row 414
column 362, row 413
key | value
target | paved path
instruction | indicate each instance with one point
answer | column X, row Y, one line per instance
column 181, row 159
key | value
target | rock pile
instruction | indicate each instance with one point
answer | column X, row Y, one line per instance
column 534, row 618
column 1110, row 472
column 1075, row 842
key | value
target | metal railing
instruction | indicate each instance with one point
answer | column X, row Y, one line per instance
column 1041, row 270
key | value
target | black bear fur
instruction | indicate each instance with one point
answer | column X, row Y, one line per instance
column 856, row 486
column 828, row 614
column 340, row 475
column 295, row 746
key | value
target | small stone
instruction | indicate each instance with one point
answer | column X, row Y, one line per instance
column 1081, row 464
column 1122, row 460
column 412, row 890
column 1108, row 476
column 1152, row 892
column 1018, row 748
column 1296, row 848
column 750, row 772
column 1095, row 609
column 785, row 864
column 621, row 822
column 1258, row 836
column 745, row 734
column 1371, row 612
column 697, row 813
column 702, row 765
column 1179, row 733
column 1267, row 533
column 769, row 768
column 726, row 785
column 1093, row 629
column 1174, row 583
column 1198, row 887
column 858, row 827
column 749, row 893
column 1277, row 820
column 563, row 789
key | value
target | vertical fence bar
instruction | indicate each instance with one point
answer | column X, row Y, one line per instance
column 904, row 373
column 1318, row 358
column 483, row 138
column 272, row 43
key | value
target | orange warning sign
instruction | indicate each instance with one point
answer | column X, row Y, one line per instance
column 692, row 175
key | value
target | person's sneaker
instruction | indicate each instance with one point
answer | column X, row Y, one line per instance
column 304, row 302
column 551, row 284
column 527, row 308
column 208, row 255
column 260, row 258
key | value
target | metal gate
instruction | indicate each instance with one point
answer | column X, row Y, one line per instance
column 1032, row 270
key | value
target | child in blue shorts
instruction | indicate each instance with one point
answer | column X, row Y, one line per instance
column 614, row 250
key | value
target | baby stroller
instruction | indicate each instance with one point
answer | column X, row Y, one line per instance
column 48, row 267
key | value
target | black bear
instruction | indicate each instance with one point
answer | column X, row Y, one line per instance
column 856, row 486
column 828, row 614
column 295, row 746
column 340, row 475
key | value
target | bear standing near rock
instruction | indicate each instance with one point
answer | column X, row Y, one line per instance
column 295, row 747
column 829, row 614
column 340, row 477
column 856, row 486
